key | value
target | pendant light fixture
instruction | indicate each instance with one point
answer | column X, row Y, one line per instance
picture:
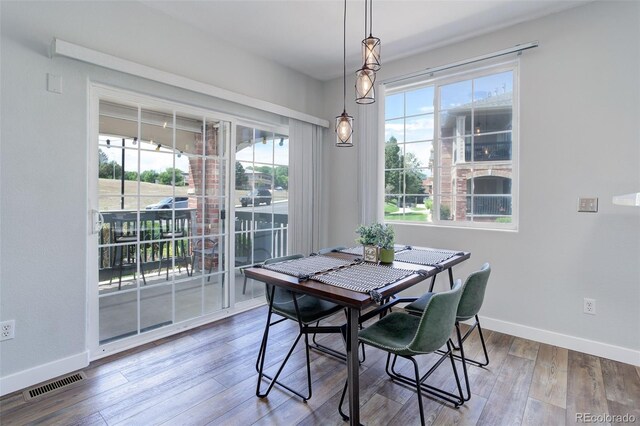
column 371, row 44
column 366, row 76
column 344, row 122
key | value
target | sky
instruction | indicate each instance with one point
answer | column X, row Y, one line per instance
column 150, row 159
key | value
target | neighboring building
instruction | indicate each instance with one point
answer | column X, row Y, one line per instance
column 257, row 180
column 479, row 156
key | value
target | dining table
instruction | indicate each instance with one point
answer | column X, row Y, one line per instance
column 418, row 263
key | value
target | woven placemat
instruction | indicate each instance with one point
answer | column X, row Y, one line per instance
column 359, row 251
column 304, row 267
column 363, row 277
column 428, row 257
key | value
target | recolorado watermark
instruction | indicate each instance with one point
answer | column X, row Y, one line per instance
column 605, row 418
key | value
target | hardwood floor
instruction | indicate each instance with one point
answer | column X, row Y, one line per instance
column 206, row 376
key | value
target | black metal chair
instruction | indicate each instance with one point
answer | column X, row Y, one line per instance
column 173, row 237
column 328, row 250
column 259, row 257
column 470, row 303
column 125, row 235
column 404, row 335
column 204, row 251
column 303, row 309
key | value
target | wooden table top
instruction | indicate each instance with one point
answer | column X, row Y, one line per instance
column 350, row 298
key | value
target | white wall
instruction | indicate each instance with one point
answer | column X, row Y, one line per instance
column 579, row 136
column 43, row 168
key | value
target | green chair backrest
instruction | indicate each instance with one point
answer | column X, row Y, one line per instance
column 473, row 293
column 438, row 319
column 331, row 249
column 281, row 295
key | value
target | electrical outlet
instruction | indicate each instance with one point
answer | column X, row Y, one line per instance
column 7, row 330
column 589, row 306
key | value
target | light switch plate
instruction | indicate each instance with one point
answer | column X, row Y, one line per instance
column 54, row 83
column 588, row 205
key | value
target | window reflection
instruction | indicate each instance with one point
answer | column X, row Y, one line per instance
column 261, row 199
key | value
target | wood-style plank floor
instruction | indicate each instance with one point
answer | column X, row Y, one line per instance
column 207, row 376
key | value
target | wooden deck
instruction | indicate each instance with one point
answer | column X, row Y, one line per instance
column 207, row 376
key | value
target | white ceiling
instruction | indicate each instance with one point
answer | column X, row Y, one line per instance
column 306, row 35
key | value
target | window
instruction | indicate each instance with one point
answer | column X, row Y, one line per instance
column 449, row 150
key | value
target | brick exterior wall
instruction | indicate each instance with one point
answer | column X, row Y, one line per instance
column 208, row 207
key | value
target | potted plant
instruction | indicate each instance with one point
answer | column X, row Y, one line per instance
column 386, row 240
column 368, row 238
column 377, row 240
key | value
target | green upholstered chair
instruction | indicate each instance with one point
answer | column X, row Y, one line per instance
column 328, row 250
column 305, row 310
column 470, row 303
column 404, row 335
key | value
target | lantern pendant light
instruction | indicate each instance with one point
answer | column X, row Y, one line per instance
column 344, row 122
column 365, row 91
column 366, row 76
column 371, row 44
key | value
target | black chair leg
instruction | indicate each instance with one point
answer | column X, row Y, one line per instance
column 455, row 400
column 120, row 268
column 344, row 393
column 484, row 346
column 274, row 380
column 464, row 363
column 144, row 279
column 262, row 354
column 455, row 374
column 418, row 388
column 453, row 345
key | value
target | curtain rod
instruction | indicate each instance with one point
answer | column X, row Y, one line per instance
column 430, row 71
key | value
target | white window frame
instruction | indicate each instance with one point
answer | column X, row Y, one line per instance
column 461, row 75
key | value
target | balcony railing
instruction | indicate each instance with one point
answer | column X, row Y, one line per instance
column 258, row 236
column 489, row 205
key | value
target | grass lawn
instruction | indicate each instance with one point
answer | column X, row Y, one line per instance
column 413, row 214
column 390, row 208
column 109, row 191
column 407, row 217
column 150, row 193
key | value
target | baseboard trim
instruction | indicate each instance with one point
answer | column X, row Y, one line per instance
column 24, row 379
column 591, row 347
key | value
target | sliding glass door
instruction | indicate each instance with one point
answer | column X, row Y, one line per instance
column 162, row 235
column 261, row 201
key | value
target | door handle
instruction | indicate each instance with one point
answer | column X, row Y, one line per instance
column 97, row 220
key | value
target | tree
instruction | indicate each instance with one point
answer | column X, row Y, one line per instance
column 282, row 177
column 413, row 174
column 392, row 165
column 149, row 176
column 130, row 175
column 264, row 169
column 110, row 170
column 403, row 173
column 167, row 177
column 241, row 177
column 102, row 157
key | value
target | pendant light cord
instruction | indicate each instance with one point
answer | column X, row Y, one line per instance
column 365, row 18
column 370, row 17
column 344, row 59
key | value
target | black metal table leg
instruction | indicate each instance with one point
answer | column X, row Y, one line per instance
column 353, row 378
